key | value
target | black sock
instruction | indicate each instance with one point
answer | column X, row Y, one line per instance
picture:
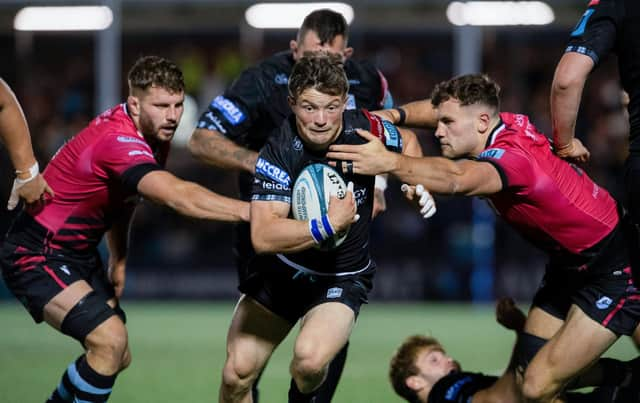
column 598, row 395
column 325, row 392
column 295, row 396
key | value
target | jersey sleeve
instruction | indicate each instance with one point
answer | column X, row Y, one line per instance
column 125, row 158
column 459, row 387
column 512, row 164
column 235, row 111
column 595, row 33
column 385, row 131
column 272, row 180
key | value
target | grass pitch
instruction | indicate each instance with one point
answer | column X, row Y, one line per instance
column 179, row 349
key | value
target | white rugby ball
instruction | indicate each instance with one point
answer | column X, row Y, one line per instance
column 311, row 194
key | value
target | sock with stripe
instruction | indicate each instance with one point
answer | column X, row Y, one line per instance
column 82, row 383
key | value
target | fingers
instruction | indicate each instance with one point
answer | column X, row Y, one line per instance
column 409, row 191
column 426, row 202
column 356, row 217
column 366, row 135
column 48, row 190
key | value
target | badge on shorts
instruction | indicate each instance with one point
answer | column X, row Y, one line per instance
column 335, row 292
column 604, row 302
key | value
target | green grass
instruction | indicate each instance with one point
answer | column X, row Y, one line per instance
column 178, row 351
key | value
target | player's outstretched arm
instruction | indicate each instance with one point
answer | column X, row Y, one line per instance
column 191, row 199
column 566, row 92
column 14, row 132
column 419, row 114
column 439, row 175
column 214, row 148
column 273, row 232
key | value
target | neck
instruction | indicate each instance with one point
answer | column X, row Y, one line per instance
column 483, row 138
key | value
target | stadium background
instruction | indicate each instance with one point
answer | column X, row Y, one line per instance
column 173, row 259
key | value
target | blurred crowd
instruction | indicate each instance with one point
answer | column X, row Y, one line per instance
column 417, row 259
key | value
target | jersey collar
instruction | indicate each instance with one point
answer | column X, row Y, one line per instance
column 494, row 133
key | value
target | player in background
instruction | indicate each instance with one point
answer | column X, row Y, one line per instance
column 49, row 258
column 28, row 184
column 607, row 26
column 421, row 372
column 237, row 123
column 290, row 279
column 588, row 298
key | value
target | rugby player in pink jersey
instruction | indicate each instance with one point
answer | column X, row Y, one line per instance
column 587, row 298
column 49, row 258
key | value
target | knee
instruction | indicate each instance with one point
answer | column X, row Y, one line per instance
column 536, row 386
column 110, row 341
column 307, row 362
column 238, row 374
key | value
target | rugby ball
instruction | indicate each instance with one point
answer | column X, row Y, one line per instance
column 311, row 194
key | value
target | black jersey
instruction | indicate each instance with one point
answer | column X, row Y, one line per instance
column 256, row 102
column 613, row 26
column 280, row 162
column 459, row 387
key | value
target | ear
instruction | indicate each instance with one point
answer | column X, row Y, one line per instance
column 133, row 103
column 484, row 122
column 415, row 382
column 291, row 101
column 293, row 45
column 348, row 52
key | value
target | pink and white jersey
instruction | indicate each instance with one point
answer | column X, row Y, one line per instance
column 94, row 177
column 552, row 203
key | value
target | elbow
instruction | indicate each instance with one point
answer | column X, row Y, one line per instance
column 260, row 245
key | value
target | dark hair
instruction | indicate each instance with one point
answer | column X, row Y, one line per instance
column 321, row 71
column 155, row 71
column 468, row 89
column 403, row 364
column 326, row 23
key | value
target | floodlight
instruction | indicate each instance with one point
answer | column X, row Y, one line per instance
column 500, row 13
column 71, row 18
column 290, row 15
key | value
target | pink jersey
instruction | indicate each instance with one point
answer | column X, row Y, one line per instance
column 552, row 203
column 88, row 175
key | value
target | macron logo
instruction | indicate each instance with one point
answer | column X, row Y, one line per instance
column 271, row 171
column 230, row 111
column 134, row 153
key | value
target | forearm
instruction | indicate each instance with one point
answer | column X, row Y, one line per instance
column 281, row 235
column 215, row 149
column 418, row 114
column 195, row 201
column 439, row 175
column 410, row 144
column 14, row 131
column 566, row 92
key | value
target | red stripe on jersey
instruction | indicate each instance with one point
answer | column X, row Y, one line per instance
column 55, row 277
column 377, row 128
column 593, row 3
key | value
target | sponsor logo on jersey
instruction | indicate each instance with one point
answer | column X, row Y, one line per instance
column 230, row 110
column 493, row 153
column 212, row 122
column 454, row 390
column 281, row 79
column 133, row 153
column 124, row 139
column 334, row 292
column 351, row 102
column 360, row 195
column 604, row 302
column 391, row 135
column 274, row 186
column 272, row 171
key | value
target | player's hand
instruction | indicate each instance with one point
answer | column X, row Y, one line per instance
column 509, row 315
column 32, row 191
column 371, row 158
column 574, row 151
column 426, row 202
column 117, row 276
column 343, row 212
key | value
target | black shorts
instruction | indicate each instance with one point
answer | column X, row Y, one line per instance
column 632, row 186
column 605, row 292
column 290, row 294
column 35, row 274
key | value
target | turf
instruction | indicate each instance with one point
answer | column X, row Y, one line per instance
column 178, row 351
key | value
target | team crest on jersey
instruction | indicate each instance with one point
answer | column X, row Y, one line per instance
column 604, row 302
column 351, row 102
column 297, row 143
column 272, row 171
column 334, row 292
column 493, row 153
column 281, row 79
column 229, row 109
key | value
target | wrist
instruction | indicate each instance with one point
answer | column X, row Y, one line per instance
column 321, row 229
column 401, row 116
column 27, row 175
